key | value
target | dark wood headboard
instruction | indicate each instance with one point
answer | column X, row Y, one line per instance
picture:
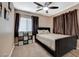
column 44, row 28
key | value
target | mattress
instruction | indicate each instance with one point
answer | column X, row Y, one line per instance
column 49, row 39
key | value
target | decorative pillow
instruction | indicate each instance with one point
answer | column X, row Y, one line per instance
column 40, row 31
column 43, row 31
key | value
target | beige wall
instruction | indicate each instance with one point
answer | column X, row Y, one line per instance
column 6, row 31
column 44, row 21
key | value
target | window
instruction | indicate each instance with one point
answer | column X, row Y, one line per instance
column 25, row 24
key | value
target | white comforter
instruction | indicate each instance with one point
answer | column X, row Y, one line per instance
column 49, row 39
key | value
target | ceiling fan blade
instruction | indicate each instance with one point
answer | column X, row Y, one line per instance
column 46, row 3
column 46, row 11
column 54, row 7
column 49, row 3
column 39, row 10
column 38, row 4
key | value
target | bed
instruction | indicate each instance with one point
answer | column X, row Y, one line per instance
column 56, row 44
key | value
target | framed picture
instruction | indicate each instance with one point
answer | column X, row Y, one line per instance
column 0, row 9
column 6, row 14
column 9, row 7
column 5, row 11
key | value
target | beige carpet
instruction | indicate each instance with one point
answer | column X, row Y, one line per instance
column 35, row 50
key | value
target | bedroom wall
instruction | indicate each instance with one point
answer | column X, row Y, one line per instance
column 44, row 21
column 6, row 32
column 67, row 10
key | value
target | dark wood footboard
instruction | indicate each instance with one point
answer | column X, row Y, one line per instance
column 62, row 46
column 65, row 45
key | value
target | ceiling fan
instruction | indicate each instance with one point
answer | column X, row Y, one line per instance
column 45, row 6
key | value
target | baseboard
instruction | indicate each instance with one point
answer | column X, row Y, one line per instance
column 11, row 51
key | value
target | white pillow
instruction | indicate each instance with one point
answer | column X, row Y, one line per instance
column 40, row 31
column 43, row 31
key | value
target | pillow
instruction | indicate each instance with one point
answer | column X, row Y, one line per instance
column 40, row 31
column 43, row 31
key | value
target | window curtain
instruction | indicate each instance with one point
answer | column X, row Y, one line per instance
column 71, row 23
column 58, row 24
column 35, row 24
column 66, row 23
column 17, row 16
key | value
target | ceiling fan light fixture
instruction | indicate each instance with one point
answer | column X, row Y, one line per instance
column 45, row 8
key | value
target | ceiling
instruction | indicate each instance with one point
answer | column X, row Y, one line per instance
column 31, row 7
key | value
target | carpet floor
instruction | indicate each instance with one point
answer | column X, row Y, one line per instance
column 35, row 50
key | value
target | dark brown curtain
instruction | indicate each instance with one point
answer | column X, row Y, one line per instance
column 58, row 24
column 71, row 23
column 17, row 16
column 66, row 23
column 35, row 24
